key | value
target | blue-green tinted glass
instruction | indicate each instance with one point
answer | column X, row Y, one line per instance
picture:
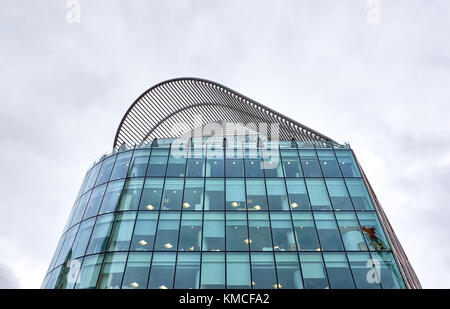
column 235, row 196
column 338, row 271
column 214, row 231
column 93, row 177
column 177, row 164
column 215, row 163
column 151, row 194
column 359, row 195
column 327, row 229
column 81, row 208
column 131, row 194
column 66, row 253
column 260, row 233
column 121, row 166
column 291, row 163
column 256, row 195
column 158, row 162
column 282, row 232
column 237, row 233
column 253, row 168
column 313, row 270
column 213, row 270
column 347, row 163
column 162, row 270
column 144, row 231
column 82, row 239
column 363, row 270
column 214, row 194
column 137, row 270
column 305, row 231
column 272, row 163
column 235, row 167
column 238, row 271
column 173, row 193
column 187, row 274
column 89, row 272
column 193, row 194
column 351, row 232
column 112, row 271
column 373, row 232
column 196, row 167
column 328, row 163
column 388, row 273
column 122, row 231
column 95, row 201
column 112, row 196
column 105, row 171
column 276, row 194
column 100, row 236
column 338, row 194
column 167, row 233
column 298, row 197
column 318, row 194
column 263, row 271
column 139, row 163
column 310, row 163
column 288, row 270
column 190, row 232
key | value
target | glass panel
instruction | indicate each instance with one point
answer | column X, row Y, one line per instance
column 363, row 269
column 53, row 277
column 112, row 196
column 235, row 167
column 272, row 164
column 298, row 197
column 388, row 274
column 288, row 270
column 100, row 235
column 121, row 166
column 373, row 232
column 215, row 163
column 167, row 234
column 105, row 171
column 328, row 232
column 193, row 194
column 173, row 193
column 328, row 163
column 253, row 168
column 137, row 270
column 66, row 252
column 56, row 254
column 259, row 230
column 89, row 272
column 122, row 231
column 291, row 163
column 338, row 271
column 214, row 194
column 282, row 232
column 347, row 163
column 151, row 195
column 318, row 194
column 112, row 271
column 81, row 208
column 158, row 162
column 237, row 234
column 351, row 232
column 139, row 163
column 358, row 193
column 131, row 194
column 310, row 163
column 82, row 239
column 338, row 194
column 95, row 201
column 162, row 271
column 187, row 275
column 92, row 177
column 256, row 194
column 314, row 275
column 235, row 194
column 263, row 271
column 213, row 270
column 276, row 194
column 238, row 271
column 214, row 232
column 144, row 232
column 176, row 166
column 305, row 232
column 196, row 167
column 190, row 232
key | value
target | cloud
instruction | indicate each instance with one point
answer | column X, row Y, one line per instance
column 7, row 278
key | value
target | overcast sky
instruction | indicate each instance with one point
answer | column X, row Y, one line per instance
column 383, row 87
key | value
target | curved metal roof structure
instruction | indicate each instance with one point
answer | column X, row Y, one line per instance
column 175, row 102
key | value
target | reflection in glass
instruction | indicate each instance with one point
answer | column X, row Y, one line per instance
column 121, row 166
column 112, row 271
column 288, row 270
column 314, row 275
column 137, row 270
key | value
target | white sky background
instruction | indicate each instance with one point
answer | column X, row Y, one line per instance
column 64, row 88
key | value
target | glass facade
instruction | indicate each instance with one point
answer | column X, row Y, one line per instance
column 226, row 217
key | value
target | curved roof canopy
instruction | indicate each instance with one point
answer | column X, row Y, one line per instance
column 177, row 102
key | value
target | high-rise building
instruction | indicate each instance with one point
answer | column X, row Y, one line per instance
column 206, row 188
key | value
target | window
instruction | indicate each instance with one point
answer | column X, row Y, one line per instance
column 215, row 163
column 173, row 193
column 318, row 194
column 196, row 167
column 131, row 194
column 162, row 270
column 310, row 164
column 214, row 194
column 190, row 232
column 81, row 208
column 105, row 171
column 351, row 232
column 256, row 195
column 144, row 231
column 82, row 239
column 187, row 275
column 358, row 194
column 95, row 201
column 253, row 168
column 338, row 194
column 259, row 230
column 122, row 231
column 235, row 194
column 235, row 167
column 238, row 271
column 213, row 270
column 288, row 270
column 298, row 197
column 112, row 196
column 157, row 163
column 347, row 163
column 112, row 271
column 291, row 163
column 328, row 163
column 66, row 253
column 89, row 272
column 121, row 166
column 177, row 165
column 137, row 270
column 139, row 163
column 282, row 232
column 276, row 194
column 389, row 274
column 263, row 271
column 237, row 235
column 92, row 177
column 100, row 236
column 167, row 234
column 314, row 275
column 272, row 163
column 214, row 231
column 151, row 194
column 305, row 232
column 329, row 236
column 373, row 232
column 338, row 271
column 193, row 194
column 362, row 266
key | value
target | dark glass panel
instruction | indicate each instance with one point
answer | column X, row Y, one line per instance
column 263, row 271
column 187, row 275
column 137, row 270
